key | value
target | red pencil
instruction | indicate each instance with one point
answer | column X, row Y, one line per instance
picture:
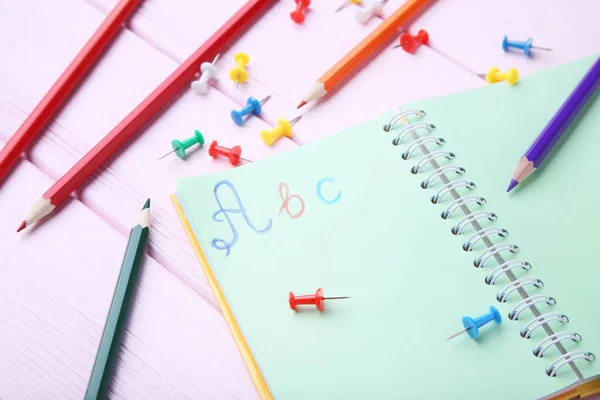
column 65, row 84
column 146, row 110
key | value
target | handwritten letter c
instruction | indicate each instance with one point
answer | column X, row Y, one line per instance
column 326, row 201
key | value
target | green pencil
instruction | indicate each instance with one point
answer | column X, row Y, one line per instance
column 117, row 315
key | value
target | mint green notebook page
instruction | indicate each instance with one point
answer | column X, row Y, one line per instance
column 363, row 227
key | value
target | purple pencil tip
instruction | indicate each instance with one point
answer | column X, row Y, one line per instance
column 512, row 185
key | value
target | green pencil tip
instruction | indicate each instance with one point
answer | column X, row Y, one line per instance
column 146, row 204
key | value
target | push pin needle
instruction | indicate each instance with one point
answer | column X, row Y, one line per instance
column 457, row 333
column 345, row 3
column 472, row 325
column 541, row 48
column 167, row 154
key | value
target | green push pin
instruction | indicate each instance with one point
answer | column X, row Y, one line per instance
column 179, row 148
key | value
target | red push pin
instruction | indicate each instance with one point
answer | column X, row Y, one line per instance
column 316, row 299
column 298, row 15
column 234, row 154
column 411, row 43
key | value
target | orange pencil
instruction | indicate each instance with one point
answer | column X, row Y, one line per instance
column 381, row 35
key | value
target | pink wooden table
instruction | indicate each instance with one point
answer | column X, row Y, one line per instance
column 56, row 280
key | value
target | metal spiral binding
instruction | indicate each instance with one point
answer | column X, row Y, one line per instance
column 401, row 115
column 557, row 364
column 448, row 187
column 479, row 235
column 447, row 213
column 431, row 156
column 411, row 128
column 528, row 302
column 503, row 268
column 438, row 173
column 470, row 219
column 421, row 142
column 492, row 251
column 535, row 323
column 550, row 341
column 483, row 235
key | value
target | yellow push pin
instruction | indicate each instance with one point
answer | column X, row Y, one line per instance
column 495, row 75
column 238, row 73
column 283, row 128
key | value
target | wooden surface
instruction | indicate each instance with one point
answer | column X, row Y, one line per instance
column 56, row 280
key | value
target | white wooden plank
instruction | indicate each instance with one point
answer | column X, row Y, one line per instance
column 127, row 73
column 56, row 284
column 176, row 27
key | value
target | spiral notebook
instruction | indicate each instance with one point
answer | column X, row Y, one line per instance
column 415, row 225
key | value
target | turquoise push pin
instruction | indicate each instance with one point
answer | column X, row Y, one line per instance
column 179, row 148
column 472, row 325
column 526, row 46
column 253, row 106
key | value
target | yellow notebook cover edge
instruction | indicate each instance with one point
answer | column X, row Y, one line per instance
column 251, row 364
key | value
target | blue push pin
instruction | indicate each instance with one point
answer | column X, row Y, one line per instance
column 526, row 46
column 472, row 325
column 253, row 106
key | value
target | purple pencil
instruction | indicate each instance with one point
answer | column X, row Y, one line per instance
column 536, row 153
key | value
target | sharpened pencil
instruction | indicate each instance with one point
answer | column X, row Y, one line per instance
column 110, row 342
column 410, row 10
column 546, row 140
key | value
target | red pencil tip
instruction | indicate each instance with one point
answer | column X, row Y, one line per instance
column 512, row 185
column 22, row 226
column 302, row 103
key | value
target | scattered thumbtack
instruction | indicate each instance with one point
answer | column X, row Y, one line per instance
column 495, row 75
column 238, row 74
column 283, row 128
column 526, row 46
column 345, row 3
column 179, row 148
column 208, row 71
column 370, row 11
column 253, row 106
column 472, row 325
column 307, row 299
column 234, row 155
column 410, row 43
column 298, row 14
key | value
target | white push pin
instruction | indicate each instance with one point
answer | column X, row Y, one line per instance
column 208, row 71
column 370, row 11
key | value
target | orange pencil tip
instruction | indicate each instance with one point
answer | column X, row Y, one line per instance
column 302, row 103
column 22, row 226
